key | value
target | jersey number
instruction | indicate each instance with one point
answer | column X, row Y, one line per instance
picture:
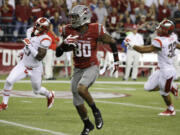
column 83, row 50
column 172, row 48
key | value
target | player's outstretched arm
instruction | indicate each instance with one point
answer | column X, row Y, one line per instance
column 145, row 49
column 59, row 51
column 106, row 38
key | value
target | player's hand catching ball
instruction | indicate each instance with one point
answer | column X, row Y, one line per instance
column 71, row 41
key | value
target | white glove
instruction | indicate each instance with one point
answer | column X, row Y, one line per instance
column 128, row 44
column 71, row 40
column 26, row 42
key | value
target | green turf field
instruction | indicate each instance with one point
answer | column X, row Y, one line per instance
column 132, row 115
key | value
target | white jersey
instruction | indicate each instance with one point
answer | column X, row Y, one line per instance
column 167, row 52
column 42, row 41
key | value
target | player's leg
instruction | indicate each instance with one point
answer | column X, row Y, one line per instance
column 174, row 87
column 129, row 61
column 79, row 102
column 135, row 65
column 166, row 81
column 89, row 76
column 153, row 82
column 17, row 73
column 36, row 79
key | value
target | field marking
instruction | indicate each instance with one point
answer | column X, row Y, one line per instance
column 96, row 82
column 114, row 88
column 135, row 105
column 68, row 82
column 33, row 128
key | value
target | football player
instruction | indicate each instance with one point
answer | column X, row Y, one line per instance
column 36, row 45
column 162, row 79
column 81, row 36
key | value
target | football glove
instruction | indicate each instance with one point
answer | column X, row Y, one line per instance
column 59, row 51
column 71, row 41
column 26, row 42
column 128, row 44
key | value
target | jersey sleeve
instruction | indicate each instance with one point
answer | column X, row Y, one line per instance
column 157, row 43
column 45, row 43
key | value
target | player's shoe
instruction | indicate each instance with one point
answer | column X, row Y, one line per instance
column 3, row 106
column 174, row 91
column 87, row 129
column 168, row 113
column 98, row 119
column 50, row 100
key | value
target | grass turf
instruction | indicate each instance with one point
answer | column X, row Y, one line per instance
column 122, row 116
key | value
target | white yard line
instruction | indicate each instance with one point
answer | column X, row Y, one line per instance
column 134, row 105
column 33, row 128
column 96, row 82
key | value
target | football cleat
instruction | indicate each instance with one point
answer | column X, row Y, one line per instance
column 98, row 119
column 87, row 129
column 167, row 113
column 174, row 91
column 3, row 106
column 50, row 100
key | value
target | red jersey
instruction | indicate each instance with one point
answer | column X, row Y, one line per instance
column 85, row 55
column 54, row 40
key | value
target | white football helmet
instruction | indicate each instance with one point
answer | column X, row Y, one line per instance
column 79, row 15
column 165, row 28
column 41, row 25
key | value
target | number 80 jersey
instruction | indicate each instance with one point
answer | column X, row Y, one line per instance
column 85, row 55
column 167, row 52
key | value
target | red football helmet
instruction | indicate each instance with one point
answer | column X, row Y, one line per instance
column 165, row 28
column 41, row 26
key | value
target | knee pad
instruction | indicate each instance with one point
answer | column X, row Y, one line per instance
column 77, row 100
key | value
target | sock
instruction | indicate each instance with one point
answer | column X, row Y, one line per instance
column 86, row 121
column 6, row 94
column 5, row 99
column 94, row 108
column 171, row 107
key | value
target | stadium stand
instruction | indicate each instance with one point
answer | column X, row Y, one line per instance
column 18, row 15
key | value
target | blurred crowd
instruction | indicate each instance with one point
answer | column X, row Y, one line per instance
column 118, row 16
